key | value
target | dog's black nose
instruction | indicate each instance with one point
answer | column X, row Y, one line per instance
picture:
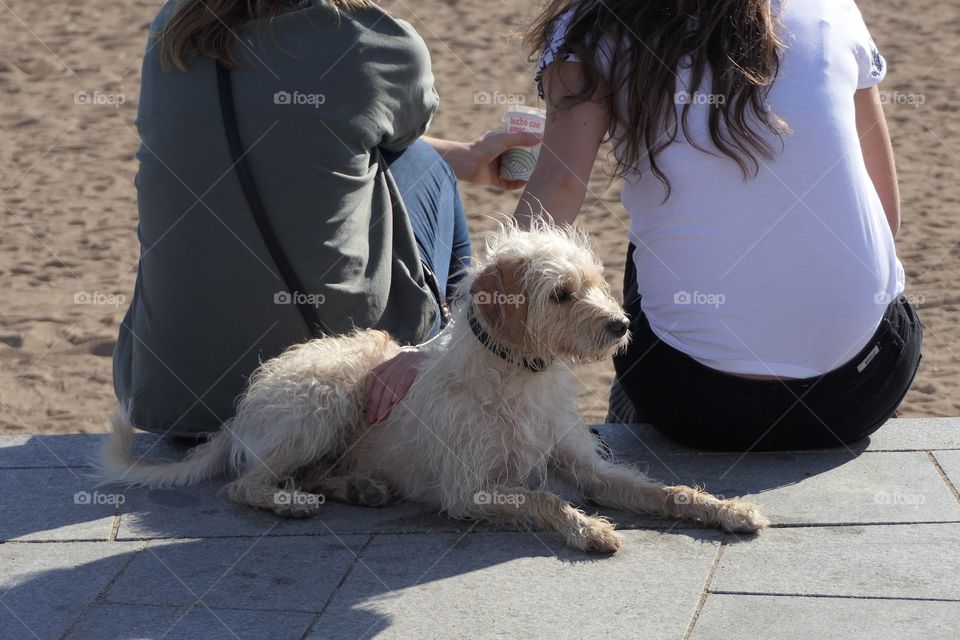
column 618, row 327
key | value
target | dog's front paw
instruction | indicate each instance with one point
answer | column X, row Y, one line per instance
column 738, row 516
column 596, row 535
column 369, row 492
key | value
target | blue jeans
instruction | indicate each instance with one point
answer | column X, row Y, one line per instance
column 430, row 194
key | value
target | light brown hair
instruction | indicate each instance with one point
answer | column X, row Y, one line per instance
column 209, row 27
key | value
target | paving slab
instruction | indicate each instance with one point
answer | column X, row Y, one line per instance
column 78, row 450
column 818, row 488
column 834, row 489
column 638, row 440
column 905, row 434
column 520, row 585
column 121, row 622
column 725, row 617
column 44, row 587
column 74, row 450
column 291, row 573
column 902, row 434
column 54, row 504
column 885, row 561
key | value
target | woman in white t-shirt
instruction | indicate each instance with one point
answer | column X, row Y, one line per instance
column 762, row 277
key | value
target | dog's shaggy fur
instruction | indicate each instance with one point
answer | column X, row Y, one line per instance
column 478, row 432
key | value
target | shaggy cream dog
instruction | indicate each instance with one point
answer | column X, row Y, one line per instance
column 491, row 414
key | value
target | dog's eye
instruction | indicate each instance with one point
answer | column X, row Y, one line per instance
column 561, row 294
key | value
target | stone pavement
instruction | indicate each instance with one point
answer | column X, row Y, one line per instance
column 865, row 544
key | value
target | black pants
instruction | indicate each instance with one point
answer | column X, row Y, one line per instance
column 704, row 408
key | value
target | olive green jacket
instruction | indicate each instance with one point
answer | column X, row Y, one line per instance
column 320, row 94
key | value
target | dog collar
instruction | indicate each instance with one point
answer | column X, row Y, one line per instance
column 535, row 365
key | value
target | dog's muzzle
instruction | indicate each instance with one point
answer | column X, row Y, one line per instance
column 618, row 327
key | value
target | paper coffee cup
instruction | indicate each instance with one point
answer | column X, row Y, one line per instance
column 518, row 163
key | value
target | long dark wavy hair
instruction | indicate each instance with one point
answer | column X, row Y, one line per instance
column 734, row 42
column 209, row 27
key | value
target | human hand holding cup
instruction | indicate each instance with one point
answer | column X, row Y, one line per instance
column 517, row 163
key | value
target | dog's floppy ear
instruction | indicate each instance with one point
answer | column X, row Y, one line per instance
column 498, row 293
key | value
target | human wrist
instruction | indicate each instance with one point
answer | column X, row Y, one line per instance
column 461, row 156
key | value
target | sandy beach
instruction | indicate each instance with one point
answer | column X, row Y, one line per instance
column 69, row 80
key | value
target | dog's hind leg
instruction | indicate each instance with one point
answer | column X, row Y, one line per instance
column 550, row 512
column 261, row 489
column 623, row 487
column 353, row 488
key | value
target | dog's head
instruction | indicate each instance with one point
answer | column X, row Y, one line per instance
column 542, row 293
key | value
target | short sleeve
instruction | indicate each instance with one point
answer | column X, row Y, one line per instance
column 555, row 50
column 872, row 65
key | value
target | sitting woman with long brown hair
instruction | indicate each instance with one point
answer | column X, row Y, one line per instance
column 762, row 278
column 285, row 190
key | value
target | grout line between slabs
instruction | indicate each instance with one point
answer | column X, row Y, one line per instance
column 943, row 475
column 830, row 596
column 705, row 592
column 336, row 590
column 115, row 525
column 102, row 594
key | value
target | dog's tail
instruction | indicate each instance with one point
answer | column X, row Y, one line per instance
column 117, row 464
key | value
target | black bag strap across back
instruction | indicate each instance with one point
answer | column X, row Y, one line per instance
column 290, row 278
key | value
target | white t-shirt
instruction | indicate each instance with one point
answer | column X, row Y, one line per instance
column 788, row 273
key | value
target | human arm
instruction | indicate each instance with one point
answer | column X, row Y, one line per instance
column 571, row 141
column 478, row 161
column 878, row 152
